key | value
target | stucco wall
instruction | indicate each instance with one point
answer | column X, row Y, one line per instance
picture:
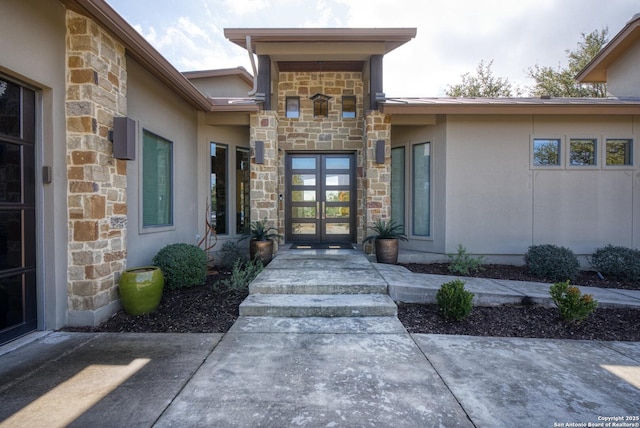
column 497, row 204
column 159, row 111
column 37, row 58
column 623, row 76
column 223, row 86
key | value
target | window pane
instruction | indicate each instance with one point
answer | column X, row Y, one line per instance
column 293, row 107
column 397, row 185
column 337, row 212
column 303, row 163
column 303, row 212
column 421, row 189
column 619, row 152
column 10, row 108
column 348, row 107
column 337, row 196
column 303, row 196
column 546, row 152
column 243, row 207
column 219, row 187
column 338, row 163
column 157, row 205
column 10, row 239
column 12, row 307
column 10, row 173
column 337, row 179
column 303, row 179
column 582, row 152
column 337, row 228
column 303, row 228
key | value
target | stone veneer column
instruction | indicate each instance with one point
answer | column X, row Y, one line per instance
column 377, row 176
column 97, row 205
column 264, row 177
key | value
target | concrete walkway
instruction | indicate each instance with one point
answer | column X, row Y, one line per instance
column 316, row 372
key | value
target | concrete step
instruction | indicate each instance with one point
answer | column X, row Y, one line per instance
column 293, row 281
column 318, row 305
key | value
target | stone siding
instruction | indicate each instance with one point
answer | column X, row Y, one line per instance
column 97, row 211
column 264, row 177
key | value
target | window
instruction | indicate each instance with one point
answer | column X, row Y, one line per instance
column 397, row 185
column 619, row 152
column 349, row 107
column 219, row 187
column 546, row 152
column 243, row 208
column 293, row 107
column 421, row 189
column 582, row 151
column 157, row 181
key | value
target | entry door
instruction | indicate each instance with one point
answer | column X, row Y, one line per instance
column 17, row 211
column 321, row 193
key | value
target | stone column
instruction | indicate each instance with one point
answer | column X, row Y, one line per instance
column 264, row 177
column 377, row 181
column 97, row 205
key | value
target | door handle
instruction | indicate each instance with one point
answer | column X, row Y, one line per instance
column 322, row 210
column 317, row 210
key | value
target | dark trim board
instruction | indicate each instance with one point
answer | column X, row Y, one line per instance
column 321, row 246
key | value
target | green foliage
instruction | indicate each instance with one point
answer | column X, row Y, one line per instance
column 183, row 265
column 230, row 253
column 386, row 230
column 242, row 274
column 617, row 262
column 561, row 82
column 464, row 263
column 482, row 85
column 552, row 262
column 573, row 306
column 261, row 231
column 454, row 301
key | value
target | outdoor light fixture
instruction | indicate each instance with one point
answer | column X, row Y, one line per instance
column 259, row 152
column 380, row 151
column 123, row 138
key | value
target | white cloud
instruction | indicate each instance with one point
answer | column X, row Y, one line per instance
column 244, row 7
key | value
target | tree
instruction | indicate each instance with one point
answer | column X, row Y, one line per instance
column 483, row 85
column 561, row 82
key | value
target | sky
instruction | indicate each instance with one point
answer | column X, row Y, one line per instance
column 453, row 36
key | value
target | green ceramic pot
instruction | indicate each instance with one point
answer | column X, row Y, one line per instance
column 141, row 289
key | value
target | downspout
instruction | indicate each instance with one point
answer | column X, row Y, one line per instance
column 253, row 66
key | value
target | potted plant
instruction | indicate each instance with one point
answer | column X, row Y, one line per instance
column 261, row 244
column 386, row 238
column 141, row 289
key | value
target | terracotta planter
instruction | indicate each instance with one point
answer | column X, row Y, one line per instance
column 387, row 250
column 141, row 289
column 262, row 250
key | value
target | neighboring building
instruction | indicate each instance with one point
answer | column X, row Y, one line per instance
column 316, row 148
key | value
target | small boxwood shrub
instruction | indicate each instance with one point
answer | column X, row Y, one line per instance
column 183, row 265
column 574, row 307
column 617, row 262
column 454, row 301
column 552, row 262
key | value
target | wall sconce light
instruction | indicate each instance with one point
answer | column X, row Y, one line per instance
column 380, row 151
column 259, row 152
column 123, row 138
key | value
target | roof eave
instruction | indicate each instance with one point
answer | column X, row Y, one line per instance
column 510, row 109
column 140, row 50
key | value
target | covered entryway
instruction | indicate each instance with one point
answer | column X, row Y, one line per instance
column 18, row 309
column 321, row 194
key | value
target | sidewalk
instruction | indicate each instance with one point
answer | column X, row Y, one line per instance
column 316, row 372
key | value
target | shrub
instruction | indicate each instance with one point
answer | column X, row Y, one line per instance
column 574, row 307
column 463, row 263
column 183, row 265
column 230, row 253
column 617, row 262
column 242, row 274
column 552, row 262
column 454, row 301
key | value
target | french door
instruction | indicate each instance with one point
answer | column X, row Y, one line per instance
column 18, row 310
column 321, row 194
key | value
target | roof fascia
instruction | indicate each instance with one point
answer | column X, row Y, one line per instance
column 510, row 109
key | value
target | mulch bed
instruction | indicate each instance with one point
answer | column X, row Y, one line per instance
column 212, row 308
